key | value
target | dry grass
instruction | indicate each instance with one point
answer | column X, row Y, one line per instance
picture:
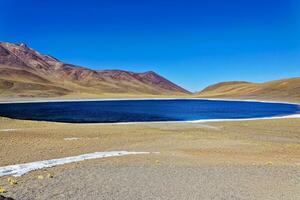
column 258, row 141
column 263, row 156
column 282, row 90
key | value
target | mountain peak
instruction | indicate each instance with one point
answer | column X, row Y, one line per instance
column 150, row 72
column 23, row 45
column 10, row 44
column 19, row 62
column 20, row 55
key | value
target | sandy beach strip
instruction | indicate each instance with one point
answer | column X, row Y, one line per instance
column 126, row 99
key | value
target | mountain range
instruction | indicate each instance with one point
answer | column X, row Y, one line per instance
column 26, row 73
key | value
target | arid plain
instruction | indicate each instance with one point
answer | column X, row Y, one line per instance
column 257, row 159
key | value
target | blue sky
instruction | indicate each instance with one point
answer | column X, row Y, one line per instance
column 194, row 43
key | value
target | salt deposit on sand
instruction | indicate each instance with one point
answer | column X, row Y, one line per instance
column 8, row 129
column 21, row 169
column 71, row 138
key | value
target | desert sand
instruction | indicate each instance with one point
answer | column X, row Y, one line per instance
column 257, row 159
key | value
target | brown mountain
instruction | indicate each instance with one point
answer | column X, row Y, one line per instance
column 25, row 72
column 285, row 89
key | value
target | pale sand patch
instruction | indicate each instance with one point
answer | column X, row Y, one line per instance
column 8, row 129
column 17, row 129
column 71, row 138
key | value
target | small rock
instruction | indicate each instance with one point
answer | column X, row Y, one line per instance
column 40, row 177
column 49, row 175
column 12, row 181
column 2, row 190
column 269, row 163
column 5, row 198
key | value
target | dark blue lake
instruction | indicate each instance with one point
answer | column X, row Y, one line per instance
column 144, row 110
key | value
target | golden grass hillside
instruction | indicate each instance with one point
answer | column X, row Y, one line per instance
column 283, row 90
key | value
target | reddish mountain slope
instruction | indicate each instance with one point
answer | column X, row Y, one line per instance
column 26, row 72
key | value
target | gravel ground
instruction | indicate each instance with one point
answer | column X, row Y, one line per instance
column 217, row 161
column 166, row 182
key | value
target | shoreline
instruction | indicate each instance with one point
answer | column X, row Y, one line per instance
column 292, row 116
column 128, row 99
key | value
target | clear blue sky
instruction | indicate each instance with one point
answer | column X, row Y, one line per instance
column 193, row 43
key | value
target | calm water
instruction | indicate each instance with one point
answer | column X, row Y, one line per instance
column 143, row 110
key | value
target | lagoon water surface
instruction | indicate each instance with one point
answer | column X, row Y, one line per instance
column 144, row 110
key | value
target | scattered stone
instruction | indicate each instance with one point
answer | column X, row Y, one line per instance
column 5, row 198
column 2, row 190
column 41, row 177
column 49, row 175
column 12, row 181
column 269, row 163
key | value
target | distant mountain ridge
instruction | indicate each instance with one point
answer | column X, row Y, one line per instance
column 25, row 72
column 284, row 89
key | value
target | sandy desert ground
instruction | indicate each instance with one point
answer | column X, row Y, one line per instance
column 221, row 160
